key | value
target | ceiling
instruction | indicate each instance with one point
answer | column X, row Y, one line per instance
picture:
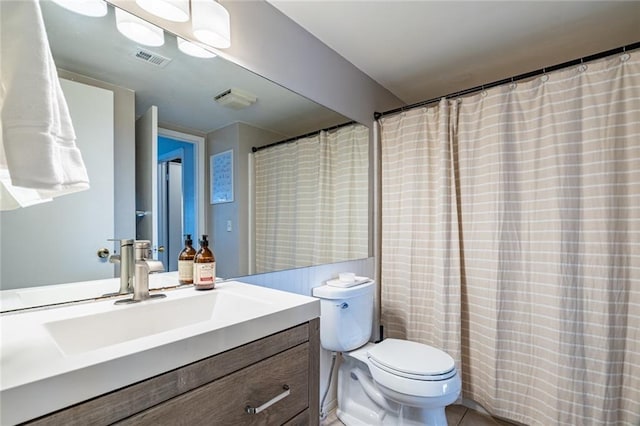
column 421, row 50
column 185, row 88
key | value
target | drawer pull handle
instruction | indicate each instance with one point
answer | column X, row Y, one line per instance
column 252, row 410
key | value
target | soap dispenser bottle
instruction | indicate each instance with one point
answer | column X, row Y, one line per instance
column 204, row 267
column 185, row 261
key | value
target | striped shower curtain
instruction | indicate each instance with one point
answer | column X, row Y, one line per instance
column 311, row 200
column 538, row 297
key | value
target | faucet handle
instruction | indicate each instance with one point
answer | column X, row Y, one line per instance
column 142, row 249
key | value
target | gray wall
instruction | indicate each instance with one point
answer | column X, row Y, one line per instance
column 231, row 248
column 265, row 41
column 224, row 244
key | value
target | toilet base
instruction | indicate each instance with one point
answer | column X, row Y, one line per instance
column 360, row 415
column 430, row 418
column 359, row 408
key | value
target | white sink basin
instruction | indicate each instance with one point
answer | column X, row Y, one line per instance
column 125, row 323
column 65, row 354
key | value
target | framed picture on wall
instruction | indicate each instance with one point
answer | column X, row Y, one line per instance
column 221, row 172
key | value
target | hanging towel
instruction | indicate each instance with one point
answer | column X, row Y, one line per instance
column 39, row 159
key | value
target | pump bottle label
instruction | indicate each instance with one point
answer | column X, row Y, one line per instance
column 185, row 271
column 204, row 273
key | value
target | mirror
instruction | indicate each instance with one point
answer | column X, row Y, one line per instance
column 183, row 90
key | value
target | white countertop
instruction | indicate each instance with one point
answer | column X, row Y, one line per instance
column 37, row 377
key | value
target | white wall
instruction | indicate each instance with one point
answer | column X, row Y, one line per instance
column 123, row 154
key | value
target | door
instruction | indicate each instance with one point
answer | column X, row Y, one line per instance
column 69, row 230
column 147, row 178
column 170, row 212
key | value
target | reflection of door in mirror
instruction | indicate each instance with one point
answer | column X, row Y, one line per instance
column 177, row 196
column 170, row 210
column 159, row 219
column 147, row 178
column 70, row 230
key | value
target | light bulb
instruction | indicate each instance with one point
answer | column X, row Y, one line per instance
column 138, row 30
column 210, row 23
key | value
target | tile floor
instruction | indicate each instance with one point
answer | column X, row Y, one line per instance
column 457, row 415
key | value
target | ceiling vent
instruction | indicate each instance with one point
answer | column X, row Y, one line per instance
column 151, row 58
column 235, row 98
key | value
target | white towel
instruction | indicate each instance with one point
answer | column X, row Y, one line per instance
column 38, row 150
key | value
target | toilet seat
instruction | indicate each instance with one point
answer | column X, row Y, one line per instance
column 412, row 360
column 408, row 372
column 425, row 377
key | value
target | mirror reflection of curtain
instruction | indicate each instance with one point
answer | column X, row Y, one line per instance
column 311, row 200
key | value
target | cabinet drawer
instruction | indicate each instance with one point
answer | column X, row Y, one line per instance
column 223, row 401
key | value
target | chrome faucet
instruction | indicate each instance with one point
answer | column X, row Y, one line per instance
column 143, row 266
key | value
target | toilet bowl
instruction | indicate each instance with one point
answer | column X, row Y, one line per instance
column 389, row 383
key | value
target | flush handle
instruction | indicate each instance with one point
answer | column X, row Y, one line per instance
column 255, row 410
column 343, row 305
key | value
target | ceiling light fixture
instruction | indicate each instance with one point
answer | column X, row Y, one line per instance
column 210, row 23
column 171, row 10
column 138, row 30
column 93, row 8
column 193, row 49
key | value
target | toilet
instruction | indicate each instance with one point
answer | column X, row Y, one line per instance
column 394, row 382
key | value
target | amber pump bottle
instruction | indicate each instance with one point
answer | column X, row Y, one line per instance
column 185, row 261
column 204, row 267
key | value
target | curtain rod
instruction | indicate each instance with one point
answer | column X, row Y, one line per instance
column 632, row 46
column 295, row 138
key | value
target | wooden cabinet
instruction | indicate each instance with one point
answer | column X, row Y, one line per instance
column 282, row 368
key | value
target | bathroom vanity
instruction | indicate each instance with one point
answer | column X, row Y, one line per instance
column 239, row 354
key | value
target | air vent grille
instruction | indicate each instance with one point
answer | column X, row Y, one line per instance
column 151, row 58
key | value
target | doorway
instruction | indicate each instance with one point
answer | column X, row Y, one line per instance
column 179, row 200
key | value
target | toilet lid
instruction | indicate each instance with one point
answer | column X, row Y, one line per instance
column 412, row 359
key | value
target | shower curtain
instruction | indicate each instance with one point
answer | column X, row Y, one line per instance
column 538, row 299
column 311, row 200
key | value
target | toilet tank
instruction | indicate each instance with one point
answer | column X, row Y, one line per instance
column 346, row 316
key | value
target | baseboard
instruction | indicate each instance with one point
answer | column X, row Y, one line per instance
column 469, row 403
